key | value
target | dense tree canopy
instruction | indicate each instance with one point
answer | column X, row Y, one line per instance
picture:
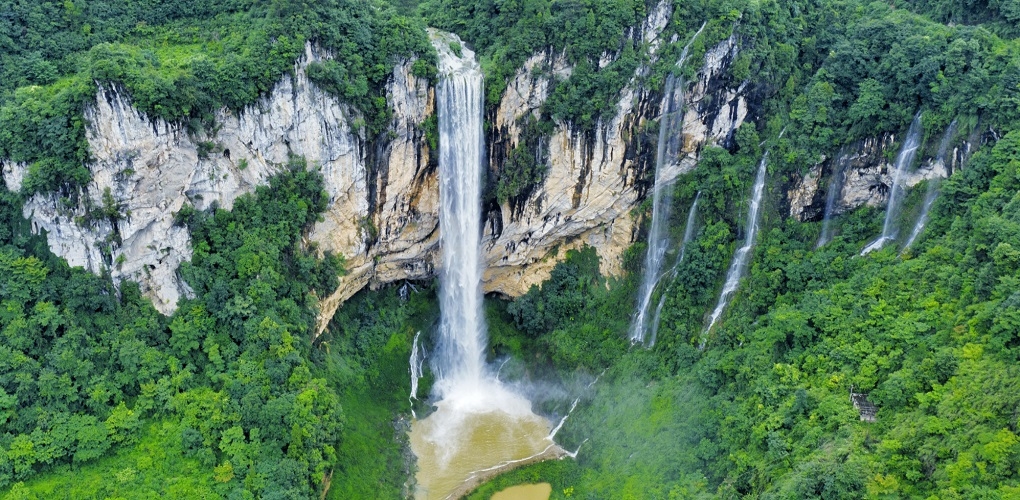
column 86, row 365
column 180, row 61
column 101, row 396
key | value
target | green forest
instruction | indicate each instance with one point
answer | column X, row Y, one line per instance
column 235, row 395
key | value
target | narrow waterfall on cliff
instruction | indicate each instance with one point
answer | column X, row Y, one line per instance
column 688, row 233
column 832, row 194
column 480, row 424
column 417, row 363
column 933, row 186
column 739, row 263
column 904, row 160
column 671, row 121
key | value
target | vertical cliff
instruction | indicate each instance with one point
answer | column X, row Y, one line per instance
column 868, row 177
column 383, row 191
column 593, row 178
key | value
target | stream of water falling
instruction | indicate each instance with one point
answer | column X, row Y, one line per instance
column 904, row 160
column 933, row 186
column 671, row 123
column 832, row 194
column 479, row 424
column 417, row 366
column 688, row 233
column 739, row 263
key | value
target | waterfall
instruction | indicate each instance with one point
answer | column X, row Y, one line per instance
column 462, row 377
column 833, row 191
column 933, row 190
column 688, row 233
column 478, row 422
column 417, row 362
column 462, row 336
column 666, row 154
column 922, row 219
column 904, row 160
column 739, row 263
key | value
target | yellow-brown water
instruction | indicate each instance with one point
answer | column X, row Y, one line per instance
column 540, row 491
column 454, row 448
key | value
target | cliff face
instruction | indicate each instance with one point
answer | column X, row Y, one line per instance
column 593, row 177
column 384, row 197
column 150, row 168
column 396, row 237
column 868, row 177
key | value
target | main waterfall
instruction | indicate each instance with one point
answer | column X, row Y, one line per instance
column 480, row 425
column 460, row 364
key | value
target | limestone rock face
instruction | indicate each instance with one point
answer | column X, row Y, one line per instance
column 868, row 177
column 13, row 174
column 715, row 109
column 594, row 177
column 398, row 238
column 150, row 168
column 803, row 194
column 383, row 207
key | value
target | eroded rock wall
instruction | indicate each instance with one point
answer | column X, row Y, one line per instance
column 383, row 192
column 592, row 184
column 868, row 177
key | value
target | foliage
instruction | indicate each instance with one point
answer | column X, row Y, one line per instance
column 527, row 164
column 588, row 31
column 88, row 364
column 180, row 61
column 155, row 466
column 575, row 315
column 764, row 410
column 365, row 352
column 102, row 396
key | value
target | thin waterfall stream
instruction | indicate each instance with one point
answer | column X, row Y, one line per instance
column 688, row 233
column 480, row 425
column 667, row 152
column 933, row 186
column 743, row 253
column 904, row 160
column 417, row 367
column 833, row 191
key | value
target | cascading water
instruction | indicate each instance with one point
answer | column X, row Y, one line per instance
column 479, row 423
column 460, row 362
column 834, row 189
column 417, row 363
column 688, row 233
column 739, row 263
column 904, row 160
column 933, row 186
column 666, row 154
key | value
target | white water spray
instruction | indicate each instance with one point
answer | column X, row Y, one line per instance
column 671, row 123
column 904, row 160
column 417, row 363
column 688, row 233
column 834, row 189
column 478, row 421
column 742, row 254
column 933, row 186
